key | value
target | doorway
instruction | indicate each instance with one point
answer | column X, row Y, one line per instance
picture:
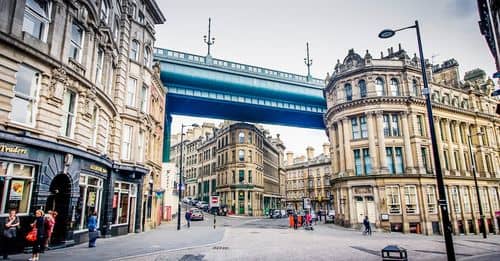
column 58, row 200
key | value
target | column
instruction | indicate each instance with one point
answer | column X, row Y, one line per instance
column 439, row 142
column 236, row 202
column 349, row 162
column 482, row 158
column 464, row 219
column 424, row 212
column 448, row 125
column 341, row 147
column 376, row 200
column 381, row 142
column 246, row 202
column 370, row 118
column 406, row 138
column 462, row 166
column 350, row 207
column 475, row 215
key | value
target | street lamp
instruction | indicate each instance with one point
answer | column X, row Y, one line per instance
column 473, row 160
column 450, row 251
column 180, row 175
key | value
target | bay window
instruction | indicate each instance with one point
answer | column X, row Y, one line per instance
column 16, row 185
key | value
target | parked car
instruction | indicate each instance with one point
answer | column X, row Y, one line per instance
column 196, row 214
column 194, row 201
column 186, row 200
column 283, row 213
column 223, row 210
column 277, row 213
column 330, row 216
column 201, row 204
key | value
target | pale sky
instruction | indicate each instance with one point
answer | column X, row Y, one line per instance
column 273, row 34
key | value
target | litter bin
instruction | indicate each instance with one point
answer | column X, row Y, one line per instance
column 393, row 252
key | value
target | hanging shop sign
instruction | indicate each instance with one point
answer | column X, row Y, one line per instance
column 16, row 189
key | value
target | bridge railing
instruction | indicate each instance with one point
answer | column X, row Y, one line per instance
column 192, row 58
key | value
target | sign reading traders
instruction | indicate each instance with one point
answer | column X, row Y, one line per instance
column 7, row 148
column 98, row 169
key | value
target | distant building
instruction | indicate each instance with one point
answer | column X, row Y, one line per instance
column 382, row 159
column 309, row 177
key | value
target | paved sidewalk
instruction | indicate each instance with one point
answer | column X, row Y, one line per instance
column 164, row 238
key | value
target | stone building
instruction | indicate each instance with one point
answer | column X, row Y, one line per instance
column 381, row 154
column 81, row 113
column 238, row 162
column 309, row 177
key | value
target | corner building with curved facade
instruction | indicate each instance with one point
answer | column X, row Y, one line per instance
column 382, row 159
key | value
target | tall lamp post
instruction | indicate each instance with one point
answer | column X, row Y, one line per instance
column 450, row 251
column 473, row 160
column 180, row 176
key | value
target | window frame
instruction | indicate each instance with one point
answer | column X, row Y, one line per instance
column 32, row 98
column 76, row 46
column 66, row 114
column 7, row 179
column 43, row 20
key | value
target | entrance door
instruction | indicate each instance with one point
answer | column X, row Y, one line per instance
column 58, row 200
column 360, row 208
column 241, row 202
column 370, row 209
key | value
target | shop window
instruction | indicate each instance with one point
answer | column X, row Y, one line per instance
column 15, row 187
column 124, row 198
column 25, row 95
column 89, row 200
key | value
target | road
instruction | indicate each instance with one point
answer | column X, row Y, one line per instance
column 247, row 238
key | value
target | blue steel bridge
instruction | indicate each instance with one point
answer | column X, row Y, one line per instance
column 206, row 87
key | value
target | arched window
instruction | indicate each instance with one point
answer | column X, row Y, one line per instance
column 134, row 50
column 414, row 87
column 241, row 137
column 348, row 92
column 394, row 87
column 379, row 87
column 362, row 88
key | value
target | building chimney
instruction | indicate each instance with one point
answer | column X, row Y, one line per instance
column 310, row 153
column 289, row 158
column 326, row 149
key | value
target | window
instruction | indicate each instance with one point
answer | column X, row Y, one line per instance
column 411, row 199
column 355, row 128
column 140, row 145
column 455, row 200
column 144, row 99
column 241, row 176
column 393, row 199
column 367, row 162
column 394, row 160
column 483, row 193
column 131, row 87
column 25, row 95
column 241, row 155
column 124, row 200
column 134, row 50
column 425, row 162
column 399, row 160
column 95, row 125
column 466, row 199
column 391, row 124
column 364, row 127
column 141, row 17
column 126, row 141
column 75, row 50
column 116, row 30
column 147, row 57
column 99, row 64
column 394, row 87
column 362, row 88
column 452, row 132
column 16, row 185
column 89, row 200
column 357, row 163
column 389, row 159
column 36, row 18
column 69, row 113
column 348, row 92
column 359, row 128
column 104, row 11
column 494, row 198
column 446, row 164
column 414, row 87
column 431, row 199
column 457, row 160
column 379, row 87
column 241, row 137
column 420, row 125
column 249, row 176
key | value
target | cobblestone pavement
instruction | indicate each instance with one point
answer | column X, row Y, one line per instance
column 265, row 239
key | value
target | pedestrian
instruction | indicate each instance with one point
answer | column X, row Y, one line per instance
column 50, row 222
column 39, row 243
column 188, row 218
column 320, row 212
column 10, row 233
column 92, row 226
column 308, row 219
column 295, row 220
column 368, row 229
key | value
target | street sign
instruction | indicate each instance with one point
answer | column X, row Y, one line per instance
column 214, row 201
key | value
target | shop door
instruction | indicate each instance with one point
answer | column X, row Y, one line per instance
column 370, row 207
column 360, row 209
column 58, row 200
column 241, row 202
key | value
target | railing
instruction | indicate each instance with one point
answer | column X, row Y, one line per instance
column 192, row 58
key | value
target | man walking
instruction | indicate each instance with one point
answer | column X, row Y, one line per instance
column 295, row 220
column 368, row 229
column 188, row 218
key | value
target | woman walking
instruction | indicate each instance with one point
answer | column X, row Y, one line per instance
column 92, row 226
column 50, row 221
column 39, row 243
column 10, row 233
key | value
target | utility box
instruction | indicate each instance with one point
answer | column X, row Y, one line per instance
column 393, row 252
